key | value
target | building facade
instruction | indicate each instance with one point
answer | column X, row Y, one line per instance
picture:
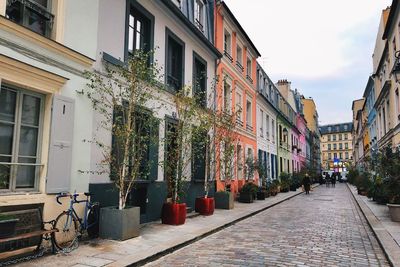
column 237, row 90
column 337, row 147
column 43, row 118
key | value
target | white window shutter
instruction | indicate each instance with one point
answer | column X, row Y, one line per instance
column 60, row 151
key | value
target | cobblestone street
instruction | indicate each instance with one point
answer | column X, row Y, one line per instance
column 325, row 228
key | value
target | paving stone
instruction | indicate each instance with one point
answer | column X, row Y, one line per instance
column 303, row 231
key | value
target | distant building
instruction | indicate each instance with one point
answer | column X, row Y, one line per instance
column 336, row 146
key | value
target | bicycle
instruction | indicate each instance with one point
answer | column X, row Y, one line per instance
column 68, row 221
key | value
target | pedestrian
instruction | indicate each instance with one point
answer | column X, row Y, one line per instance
column 333, row 179
column 327, row 179
column 307, row 183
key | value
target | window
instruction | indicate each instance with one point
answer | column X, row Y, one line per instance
column 340, row 155
column 199, row 14
column 139, row 31
column 346, row 145
column 329, row 156
column 334, row 137
column 345, row 137
column 334, row 147
column 329, row 146
column 249, row 160
column 175, row 59
column 239, row 155
column 227, row 97
column 329, row 137
column 239, row 58
column 340, row 137
column 227, row 45
column 249, row 70
column 32, row 14
column 20, row 128
column 267, row 126
column 199, row 155
column 340, row 146
column 273, row 130
column 238, row 101
column 261, row 123
column 346, row 155
column 199, row 80
column 249, row 122
column 335, row 155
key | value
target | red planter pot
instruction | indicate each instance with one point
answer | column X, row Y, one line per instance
column 205, row 206
column 173, row 213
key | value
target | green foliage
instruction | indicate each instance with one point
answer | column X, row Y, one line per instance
column 249, row 188
column 352, row 175
column 274, row 185
column 285, row 180
column 119, row 95
column 388, row 169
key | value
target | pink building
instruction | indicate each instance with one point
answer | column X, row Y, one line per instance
column 301, row 149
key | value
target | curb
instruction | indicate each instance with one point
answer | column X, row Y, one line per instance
column 188, row 242
column 386, row 242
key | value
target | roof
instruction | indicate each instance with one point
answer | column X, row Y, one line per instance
column 336, row 128
column 391, row 18
column 239, row 26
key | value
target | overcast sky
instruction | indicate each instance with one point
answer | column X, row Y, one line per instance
column 323, row 47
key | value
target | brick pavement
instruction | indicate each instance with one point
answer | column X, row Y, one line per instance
column 324, row 228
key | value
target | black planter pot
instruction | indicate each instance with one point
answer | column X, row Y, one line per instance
column 261, row 195
column 7, row 227
column 293, row 187
column 285, row 190
column 224, row 200
column 246, row 197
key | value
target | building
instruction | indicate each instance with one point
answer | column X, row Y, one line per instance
column 311, row 117
column 237, row 88
column 182, row 37
column 357, row 147
column 43, row 118
column 336, row 141
column 266, row 121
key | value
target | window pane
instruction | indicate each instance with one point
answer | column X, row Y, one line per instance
column 130, row 41
column 5, row 173
column 7, row 104
column 30, row 110
column 26, row 174
column 37, row 22
column 138, row 41
column 6, row 138
column 131, row 20
column 41, row 2
column 28, row 141
column 138, row 26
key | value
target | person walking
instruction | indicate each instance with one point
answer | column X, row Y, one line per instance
column 333, row 179
column 327, row 179
column 307, row 183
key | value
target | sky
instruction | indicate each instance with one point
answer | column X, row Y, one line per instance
column 324, row 48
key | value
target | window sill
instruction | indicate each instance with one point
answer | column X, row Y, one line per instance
column 19, row 193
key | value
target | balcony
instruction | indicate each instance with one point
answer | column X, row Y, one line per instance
column 249, row 127
column 239, row 122
column 228, row 56
column 199, row 25
column 30, row 15
column 249, row 78
column 239, row 66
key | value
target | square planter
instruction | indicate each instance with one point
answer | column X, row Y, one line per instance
column 394, row 211
column 205, row 206
column 246, row 197
column 173, row 213
column 224, row 200
column 119, row 224
column 7, row 227
column 261, row 195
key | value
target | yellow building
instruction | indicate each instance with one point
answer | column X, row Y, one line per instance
column 336, row 146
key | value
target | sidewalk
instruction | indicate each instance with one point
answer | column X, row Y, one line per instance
column 156, row 239
column 386, row 231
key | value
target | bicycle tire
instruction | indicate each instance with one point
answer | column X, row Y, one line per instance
column 66, row 234
column 93, row 221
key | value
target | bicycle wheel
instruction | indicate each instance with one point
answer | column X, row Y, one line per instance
column 93, row 221
column 67, row 230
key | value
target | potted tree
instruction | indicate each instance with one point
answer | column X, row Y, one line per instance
column 120, row 95
column 262, row 174
column 285, row 182
column 248, row 192
column 7, row 225
column 274, row 189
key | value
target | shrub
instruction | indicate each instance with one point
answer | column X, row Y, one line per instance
column 249, row 188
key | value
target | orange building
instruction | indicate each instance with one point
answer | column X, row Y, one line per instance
column 236, row 90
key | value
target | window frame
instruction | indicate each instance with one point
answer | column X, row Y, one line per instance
column 134, row 4
column 170, row 34
column 20, row 92
column 197, row 57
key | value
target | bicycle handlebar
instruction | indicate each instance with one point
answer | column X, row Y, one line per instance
column 62, row 194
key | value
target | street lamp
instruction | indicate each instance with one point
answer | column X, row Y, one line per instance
column 396, row 68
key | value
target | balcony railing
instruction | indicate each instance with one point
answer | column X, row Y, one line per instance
column 249, row 78
column 228, row 56
column 174, row 83
column 31, row 15
column 199, row 25
column 239, row 66
column 249, row 127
